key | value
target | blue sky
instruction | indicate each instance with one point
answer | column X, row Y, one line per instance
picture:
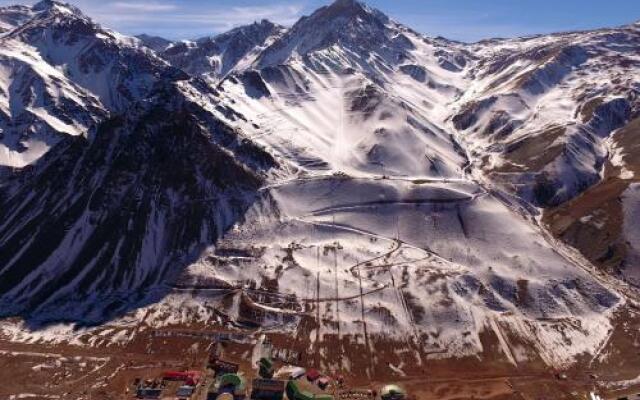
column 466, row 20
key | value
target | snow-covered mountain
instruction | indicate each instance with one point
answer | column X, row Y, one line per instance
column 115, row 68
column 61, row 74
column 138, row 178
column 385, row 193
column 349, row 90
column 155, row 43
column 214, row 57
column 344, row 178
column 553, row 119
column 38, row 105
column 107, row 220
column 343, row 33
column 14, row 16
column 540, row 110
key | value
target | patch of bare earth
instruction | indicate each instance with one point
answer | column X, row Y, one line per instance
column 593, row 222
column 532, row 153
column 107, row 372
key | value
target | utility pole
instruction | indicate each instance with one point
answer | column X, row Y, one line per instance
column 317, row 303
column 364, row 322
column 337, row 283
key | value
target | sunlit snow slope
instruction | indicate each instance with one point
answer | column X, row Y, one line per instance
column 376, row 225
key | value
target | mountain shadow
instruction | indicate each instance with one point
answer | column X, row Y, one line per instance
column 102, row 225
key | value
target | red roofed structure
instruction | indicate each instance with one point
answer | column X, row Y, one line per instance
column 313, row 375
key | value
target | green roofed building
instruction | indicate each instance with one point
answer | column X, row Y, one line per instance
column 266, row 370
column 295, row 393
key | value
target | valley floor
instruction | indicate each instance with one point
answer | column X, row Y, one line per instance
column 64, row 371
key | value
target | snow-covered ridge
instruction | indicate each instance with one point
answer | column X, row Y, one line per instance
column 62, row 74
column 39, row 105
column 214, row 57
column 113, row 67
column 565, row 93
column 14, row 16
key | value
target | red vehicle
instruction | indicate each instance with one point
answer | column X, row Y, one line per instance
column 190, row 378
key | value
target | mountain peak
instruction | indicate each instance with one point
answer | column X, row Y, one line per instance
column 264, row 22
column 346, row 15
column 264, row 26
column 350, row 24
column 350, row 8
column 155, row 43
column 346, row 4
column 44, row 4
column 55, row 5
column 214, row 56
